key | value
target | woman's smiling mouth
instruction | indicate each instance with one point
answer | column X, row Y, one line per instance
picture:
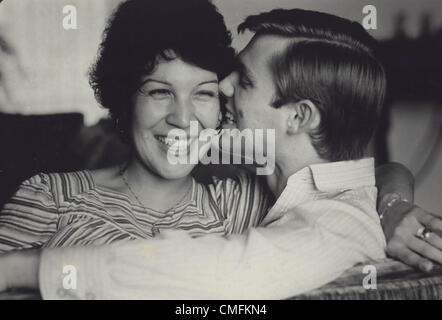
column 177, row 146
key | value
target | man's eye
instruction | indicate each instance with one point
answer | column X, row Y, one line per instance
column 245, row 82
column 160, row 93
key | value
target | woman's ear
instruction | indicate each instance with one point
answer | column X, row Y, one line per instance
column 303, row 116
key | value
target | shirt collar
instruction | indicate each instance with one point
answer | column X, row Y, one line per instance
column 319, row 180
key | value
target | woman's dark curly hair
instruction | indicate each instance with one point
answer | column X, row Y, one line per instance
column 141, row 31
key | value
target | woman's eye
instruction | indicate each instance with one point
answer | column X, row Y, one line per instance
column 207, row 94
column 160, row 93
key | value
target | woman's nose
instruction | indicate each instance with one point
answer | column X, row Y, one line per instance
column 180, row 114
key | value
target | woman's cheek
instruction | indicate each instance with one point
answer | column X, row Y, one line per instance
column 150, row 112
column 207, row 114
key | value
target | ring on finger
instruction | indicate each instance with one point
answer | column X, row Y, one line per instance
column 423, row 233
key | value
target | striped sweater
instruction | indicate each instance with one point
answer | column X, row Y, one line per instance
column 65, row 209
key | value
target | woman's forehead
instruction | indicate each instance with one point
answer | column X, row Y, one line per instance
column 179, row 71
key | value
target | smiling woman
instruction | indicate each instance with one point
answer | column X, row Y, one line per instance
column 157, row 70
column 175, row 94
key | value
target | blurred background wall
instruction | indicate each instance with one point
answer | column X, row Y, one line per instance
column 49, row 65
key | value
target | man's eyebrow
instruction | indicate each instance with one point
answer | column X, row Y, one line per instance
column 242, row 69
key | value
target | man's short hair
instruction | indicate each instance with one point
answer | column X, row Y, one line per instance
column 331, row 62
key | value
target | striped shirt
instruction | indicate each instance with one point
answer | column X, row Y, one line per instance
column 324, row 222
column 65, row 209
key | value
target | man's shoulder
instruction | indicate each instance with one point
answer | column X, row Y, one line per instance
column 350, row 215
column 343, row 175
column 358, row 202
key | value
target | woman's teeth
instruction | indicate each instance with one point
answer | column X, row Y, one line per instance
column 175, row 145
column 168, row 142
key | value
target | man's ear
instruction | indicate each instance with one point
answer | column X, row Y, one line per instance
column 302, row 116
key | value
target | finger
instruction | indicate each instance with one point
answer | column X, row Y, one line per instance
column 435, row 240
column 426, row 250
column 409, row 257
column 436, row 214
column 431, row 222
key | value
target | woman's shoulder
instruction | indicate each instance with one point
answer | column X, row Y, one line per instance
column 68, row 179
column 61, row 184
column 108, row 178
column 48, row 189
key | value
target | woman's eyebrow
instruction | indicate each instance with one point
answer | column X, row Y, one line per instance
column 209, row 81
column 158, row 81
column 169, row 84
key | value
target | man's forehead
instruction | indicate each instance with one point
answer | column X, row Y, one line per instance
column 262, row 47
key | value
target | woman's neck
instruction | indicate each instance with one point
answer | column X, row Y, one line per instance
column 152, row 190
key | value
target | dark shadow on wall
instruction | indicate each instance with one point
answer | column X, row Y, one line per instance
column 53, row 143
column 414, row 71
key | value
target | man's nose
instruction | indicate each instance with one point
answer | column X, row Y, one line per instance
column 180, row 114
column 226, row 86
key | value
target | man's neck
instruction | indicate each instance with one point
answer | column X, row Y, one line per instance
column 289, row 164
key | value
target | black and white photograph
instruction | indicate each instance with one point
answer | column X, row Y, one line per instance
column 220, row 150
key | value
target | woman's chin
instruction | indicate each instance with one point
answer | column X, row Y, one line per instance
column 172, row 172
